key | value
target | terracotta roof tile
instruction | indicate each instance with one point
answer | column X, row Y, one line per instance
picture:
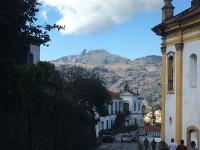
column 149, row 128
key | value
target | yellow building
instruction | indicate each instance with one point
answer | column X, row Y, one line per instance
column 180, row 72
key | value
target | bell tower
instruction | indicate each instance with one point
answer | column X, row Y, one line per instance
column 167, row 10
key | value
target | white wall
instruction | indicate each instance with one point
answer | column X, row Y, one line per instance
column 191, row 95
column 135, row 114
column 35, row 51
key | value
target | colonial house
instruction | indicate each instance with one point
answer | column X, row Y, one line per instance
column 124, row 102
column 180, row 49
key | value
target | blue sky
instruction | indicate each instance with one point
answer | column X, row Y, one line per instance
column 129, row 37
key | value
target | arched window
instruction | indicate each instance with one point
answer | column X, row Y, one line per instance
column 193, row 70
column 170, row 73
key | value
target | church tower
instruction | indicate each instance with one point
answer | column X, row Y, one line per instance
column 167, row 10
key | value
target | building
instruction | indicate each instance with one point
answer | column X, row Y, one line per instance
column 152, row 128
column 124, row 102
column 152, row 132
column 33, row 56
column 180, row 72
column 30, row 52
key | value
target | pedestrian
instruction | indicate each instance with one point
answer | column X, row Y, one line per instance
column 192, row 146
column 153, row 144
column 163, row 146
column 181, row 146
column 146, row 144
column 172, row 145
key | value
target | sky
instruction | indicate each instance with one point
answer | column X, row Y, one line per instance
column 122, row 27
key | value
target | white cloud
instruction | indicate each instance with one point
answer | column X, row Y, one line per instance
column 44, row 14
column 93, row 16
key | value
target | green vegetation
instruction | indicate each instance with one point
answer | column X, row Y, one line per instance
column 125, row 129
column 18, row 28
column 41, row 107
column 119, row 126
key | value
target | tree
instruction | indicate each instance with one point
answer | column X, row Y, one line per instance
column 119, row 121
column 18, row 27
column 87, row 88
column 39, row 108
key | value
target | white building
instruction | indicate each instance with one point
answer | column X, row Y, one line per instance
column 33, row 56
column 127, row 101
column 180, row 73
column 152, row 132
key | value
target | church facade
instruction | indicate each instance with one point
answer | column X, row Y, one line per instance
column 180, row 49
column 125, row 102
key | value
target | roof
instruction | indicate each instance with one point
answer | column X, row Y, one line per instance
column 114, row 95
column 149, row 128
column 187, row 14
column 128, row 91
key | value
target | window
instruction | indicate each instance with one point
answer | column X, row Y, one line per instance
column 170, row 73
column 102, row 125
column 111, row 108
column 193, row 70
column 134, row 106
column 111, row 123
column 119, row 106
column 107, row 124
column 138, row 106
column 125, row 107
column 115, row 108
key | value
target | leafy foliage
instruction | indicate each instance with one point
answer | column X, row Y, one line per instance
column 41, row 109
column 86, row 86
column 18, row 27
column 119, row 121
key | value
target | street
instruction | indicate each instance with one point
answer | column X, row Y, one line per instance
column 118, row 146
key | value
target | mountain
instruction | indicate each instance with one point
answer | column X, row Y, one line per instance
column 96, row 57
column 143, row 74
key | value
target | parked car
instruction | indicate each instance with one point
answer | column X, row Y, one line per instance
column 126, row 138
column 107, row 137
